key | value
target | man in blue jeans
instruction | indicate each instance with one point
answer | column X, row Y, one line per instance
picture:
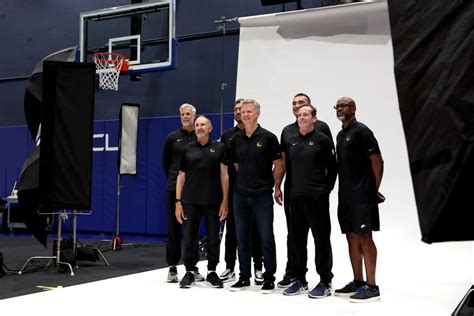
column 257, row 158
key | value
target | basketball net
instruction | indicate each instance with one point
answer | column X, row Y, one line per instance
column 108, row 67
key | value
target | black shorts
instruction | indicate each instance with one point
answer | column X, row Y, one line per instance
column 358, row 220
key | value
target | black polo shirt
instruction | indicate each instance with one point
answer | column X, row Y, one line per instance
column 202, row 165
column 292, row 130
column 255, row 156
column 310, row 156
column 357, row 187
column 226, row 139
column 174, row 143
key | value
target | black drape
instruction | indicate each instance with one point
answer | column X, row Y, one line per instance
column 433, row 43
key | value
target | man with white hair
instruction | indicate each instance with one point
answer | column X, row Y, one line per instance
column 174, row 143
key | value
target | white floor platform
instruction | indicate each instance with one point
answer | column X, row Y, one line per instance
column 414, row 278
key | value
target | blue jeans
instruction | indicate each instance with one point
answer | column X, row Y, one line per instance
column 257, row 209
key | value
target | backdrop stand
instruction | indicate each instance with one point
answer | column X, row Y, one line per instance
column 223, row 27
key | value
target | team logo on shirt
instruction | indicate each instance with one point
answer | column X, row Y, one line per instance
column 348, row 138
column 178, row 140
column 212, row 150
column 311, row 143
column 259, row 144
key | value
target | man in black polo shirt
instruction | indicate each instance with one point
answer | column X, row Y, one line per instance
column 174, row 143
column 360, row 167
column 299, row 100
column 314, row 170
column 201, row 191
column 230, row 238
column 257, row 159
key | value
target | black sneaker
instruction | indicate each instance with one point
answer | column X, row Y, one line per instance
column 240, row 285
column 286, row 282
column 187, row 281
column 349, row 289
column 213, row 280
column 268, row 287
column 366, row 294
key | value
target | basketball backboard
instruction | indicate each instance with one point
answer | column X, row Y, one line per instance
column 144, row 33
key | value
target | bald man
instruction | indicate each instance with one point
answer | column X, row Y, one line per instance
column 360, row 166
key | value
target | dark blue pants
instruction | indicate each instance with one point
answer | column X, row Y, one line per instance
column 257, row 209
column 231, row 240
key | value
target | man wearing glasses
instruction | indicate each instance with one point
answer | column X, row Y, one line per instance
column 360, row 166
column 299, row 100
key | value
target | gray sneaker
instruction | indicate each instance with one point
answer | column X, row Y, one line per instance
column 172, row 275
column 198, row 277
column 258, row 277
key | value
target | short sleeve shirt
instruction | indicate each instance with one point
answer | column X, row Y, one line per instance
column 202, row 166
column 311, row 156
column 355, row 145
column 255, row 156
column 292, row 130
column 174, row 143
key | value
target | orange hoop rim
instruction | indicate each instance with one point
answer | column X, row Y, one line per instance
column 100, row 57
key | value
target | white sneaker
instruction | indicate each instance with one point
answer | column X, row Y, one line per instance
column 227, row 276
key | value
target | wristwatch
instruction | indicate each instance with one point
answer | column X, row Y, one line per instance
column 177, row 200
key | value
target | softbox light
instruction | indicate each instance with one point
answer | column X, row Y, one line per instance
column 67, row 117
column 128, row 138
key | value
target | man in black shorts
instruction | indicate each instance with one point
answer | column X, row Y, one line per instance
column 314, row 171
column 174, row 143
column 230, row 237
column 299, row 100
column 360, row 167
column 201, row 191
column 257, row 158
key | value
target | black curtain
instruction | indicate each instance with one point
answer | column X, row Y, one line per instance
column 433, row 43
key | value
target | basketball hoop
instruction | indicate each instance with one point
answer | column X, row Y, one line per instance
column 108, row 67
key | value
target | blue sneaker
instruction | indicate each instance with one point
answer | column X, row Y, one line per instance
column 366, row 294
column 321, row 291
column 296, row 288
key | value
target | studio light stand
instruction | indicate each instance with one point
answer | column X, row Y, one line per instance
column 127, row 145
column 62, row 217
column 116, row 243
column 222, row 26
